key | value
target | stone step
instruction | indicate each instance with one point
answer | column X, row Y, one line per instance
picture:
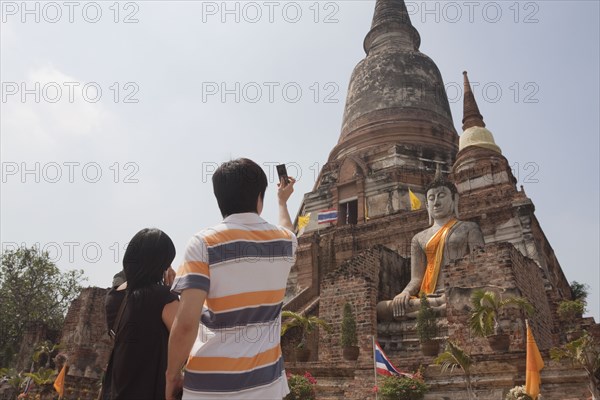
column 408, row 347
column 397, row 333
column 329, row 388
column 329, row 391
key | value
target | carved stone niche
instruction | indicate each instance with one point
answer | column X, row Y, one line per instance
column 349, row 194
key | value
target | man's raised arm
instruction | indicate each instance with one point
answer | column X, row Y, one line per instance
column 182, row 337
column 284, row 191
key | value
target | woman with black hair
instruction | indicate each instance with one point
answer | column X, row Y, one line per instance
column 143, row 308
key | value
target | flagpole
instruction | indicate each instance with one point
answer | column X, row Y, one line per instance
column 375, row 366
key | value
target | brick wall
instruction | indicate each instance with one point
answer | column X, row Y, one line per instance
column 394, row 274
column 35, row 333
column 529, row 279
column 84, row 334
column 81, row 388
column 356, row 282
column 499, row 267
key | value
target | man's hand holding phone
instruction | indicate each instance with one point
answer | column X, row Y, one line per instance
column 282, row 173
column 285, row 188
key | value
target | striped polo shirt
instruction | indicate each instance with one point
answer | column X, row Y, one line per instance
column 243, row 263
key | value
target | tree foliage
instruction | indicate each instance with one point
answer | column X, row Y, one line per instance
column 580, row 291
column 44, row 376
column 12, row 377
column 32, row 290
column 584, row 351
column 569, row 310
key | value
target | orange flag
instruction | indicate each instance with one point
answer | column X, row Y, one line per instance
column 59, row 383
column 534, row 365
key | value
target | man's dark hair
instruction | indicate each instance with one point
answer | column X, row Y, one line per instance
column 237, row 185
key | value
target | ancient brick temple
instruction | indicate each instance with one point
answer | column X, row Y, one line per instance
column 87, row 344
column 397, row 130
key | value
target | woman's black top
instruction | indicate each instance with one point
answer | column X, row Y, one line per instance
column 139, row 360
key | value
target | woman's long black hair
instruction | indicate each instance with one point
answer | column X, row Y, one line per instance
column 149, row 253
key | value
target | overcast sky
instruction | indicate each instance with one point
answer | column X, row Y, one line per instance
column 114, row 115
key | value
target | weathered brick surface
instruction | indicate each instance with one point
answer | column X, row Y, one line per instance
column 501, row 268
column 84, row 336
column 35, row 333
column 356, row 282
column 81, row 388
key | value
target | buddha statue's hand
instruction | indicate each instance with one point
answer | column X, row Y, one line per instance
column 400, row 304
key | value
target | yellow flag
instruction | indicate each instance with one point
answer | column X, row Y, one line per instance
column 415, row 203
column 533, row 366
column 59, row 383
column 366, row 211
column 303, row 221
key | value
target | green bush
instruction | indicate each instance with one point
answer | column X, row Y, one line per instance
column 403, row 388
column 301, row 387
column 579, row 291
column 427, row 328
column 569, row 310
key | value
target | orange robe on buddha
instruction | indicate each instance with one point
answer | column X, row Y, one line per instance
column 434, row 251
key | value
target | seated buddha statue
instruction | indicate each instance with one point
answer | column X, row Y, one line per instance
column 432, row 249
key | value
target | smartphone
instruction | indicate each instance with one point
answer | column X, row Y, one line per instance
column 282, row 172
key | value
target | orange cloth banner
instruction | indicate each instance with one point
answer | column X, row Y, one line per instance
column 533, row 366
column 59, row 383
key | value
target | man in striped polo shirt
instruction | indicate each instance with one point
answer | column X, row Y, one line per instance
column 233, row 281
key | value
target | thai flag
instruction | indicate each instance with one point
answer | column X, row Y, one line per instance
column 384, row 366
column 327, row 216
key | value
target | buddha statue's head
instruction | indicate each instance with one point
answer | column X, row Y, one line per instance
column 442, row 198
